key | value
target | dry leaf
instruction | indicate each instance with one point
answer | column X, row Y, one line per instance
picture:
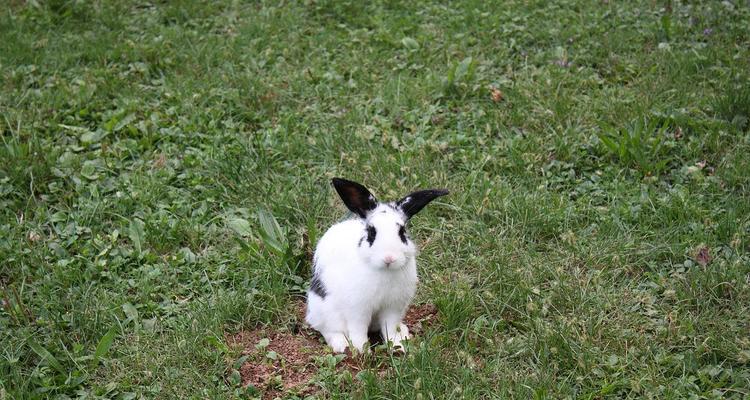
column 496, row 94
column 703, row 257
column 160, row 161
column 33, row 236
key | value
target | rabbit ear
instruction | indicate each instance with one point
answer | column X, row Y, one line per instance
column 416, row 201
column 356, row 197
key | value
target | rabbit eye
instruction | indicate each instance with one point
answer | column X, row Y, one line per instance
column 371, row 234
column 402, row 233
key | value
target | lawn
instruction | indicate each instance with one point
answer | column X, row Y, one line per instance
column 165, row 173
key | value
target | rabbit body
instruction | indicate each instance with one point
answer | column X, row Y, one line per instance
column 365, row 270
column 359, row 299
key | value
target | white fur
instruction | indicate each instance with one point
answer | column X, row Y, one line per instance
column 362, row 292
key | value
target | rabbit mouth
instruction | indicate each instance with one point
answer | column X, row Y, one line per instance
column 393, row 266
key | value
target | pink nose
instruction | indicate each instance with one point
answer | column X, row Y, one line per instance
column 389, row 259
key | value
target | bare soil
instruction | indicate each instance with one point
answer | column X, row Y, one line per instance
column 287, row 363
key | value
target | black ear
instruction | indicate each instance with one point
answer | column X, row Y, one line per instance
column 356, row 197
column 416, row 201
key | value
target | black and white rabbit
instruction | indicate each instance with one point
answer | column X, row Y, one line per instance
column 364, row 269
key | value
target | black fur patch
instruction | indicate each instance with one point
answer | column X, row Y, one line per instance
column 414, row 202
column 371, row 234
column 357, row 198
column 402, row 233
column 360, row 241
column 316, row 286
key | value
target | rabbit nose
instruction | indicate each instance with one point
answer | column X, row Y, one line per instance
column 389, row 259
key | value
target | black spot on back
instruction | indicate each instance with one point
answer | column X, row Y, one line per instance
column 316, row 286
column 402, row 233
column 371, row 234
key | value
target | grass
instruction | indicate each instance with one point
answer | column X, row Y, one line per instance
column 165, row 170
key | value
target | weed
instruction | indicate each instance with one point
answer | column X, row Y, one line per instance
column 640, row 144
column 734, row 106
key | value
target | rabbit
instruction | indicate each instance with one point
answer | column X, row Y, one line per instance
column 365, row 270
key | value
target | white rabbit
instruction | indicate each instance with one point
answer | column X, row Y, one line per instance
column 364, row 269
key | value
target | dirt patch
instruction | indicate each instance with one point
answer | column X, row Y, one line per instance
column 277, row 361
column 283, row 361
column 419, row 317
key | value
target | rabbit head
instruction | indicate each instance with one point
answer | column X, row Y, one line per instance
column 384, row 242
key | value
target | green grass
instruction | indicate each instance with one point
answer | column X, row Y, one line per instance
column 148, row 147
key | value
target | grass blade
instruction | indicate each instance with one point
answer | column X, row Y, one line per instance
column 136, row 234
column 104, row 344
column 46, row 355
column 608, row 142
column 271, row 233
